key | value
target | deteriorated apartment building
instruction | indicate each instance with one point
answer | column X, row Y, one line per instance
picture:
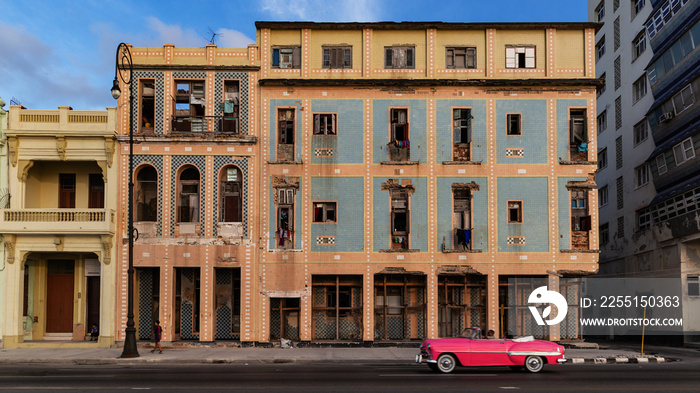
column 357, row 182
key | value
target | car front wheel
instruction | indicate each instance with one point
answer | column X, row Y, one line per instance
column 446, row 363
column 534, row 364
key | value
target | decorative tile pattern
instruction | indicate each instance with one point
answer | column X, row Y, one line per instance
column 145, row 303
column 158, row 76
column 157, row 163
column 242, row 96
column 323, row 152
column 517, row 152
column 516, row 240
column 325, row 240
column 177, row 162
column 242, row 164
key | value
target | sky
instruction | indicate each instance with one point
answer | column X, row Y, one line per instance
column 62, row 52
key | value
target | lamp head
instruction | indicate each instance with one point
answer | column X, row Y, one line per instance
column 116, row 91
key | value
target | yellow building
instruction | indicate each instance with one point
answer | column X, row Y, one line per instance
column 59, row 226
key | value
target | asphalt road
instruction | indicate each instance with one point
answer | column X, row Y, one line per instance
column 677, row 376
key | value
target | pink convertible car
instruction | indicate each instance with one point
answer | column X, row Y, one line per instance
column 445, row 354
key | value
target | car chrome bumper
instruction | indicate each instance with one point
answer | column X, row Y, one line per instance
column 562, row 360
column 421, row 359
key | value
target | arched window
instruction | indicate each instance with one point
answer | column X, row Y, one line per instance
column 188, row 203
column 146, row 197
column 231, row 197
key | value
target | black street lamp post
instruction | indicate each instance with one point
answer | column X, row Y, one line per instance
column 124, row 64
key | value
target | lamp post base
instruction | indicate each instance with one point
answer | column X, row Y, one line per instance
column 130, row 350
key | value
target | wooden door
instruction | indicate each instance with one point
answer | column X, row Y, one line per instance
column 93, row 301
column 59, row 297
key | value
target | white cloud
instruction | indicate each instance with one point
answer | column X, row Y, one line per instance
column 227, row 38
column 323, row 10
column 173, row 34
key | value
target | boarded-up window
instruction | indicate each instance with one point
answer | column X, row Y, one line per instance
column 399, row 57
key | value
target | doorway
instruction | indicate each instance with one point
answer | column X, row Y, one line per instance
column 59, row 296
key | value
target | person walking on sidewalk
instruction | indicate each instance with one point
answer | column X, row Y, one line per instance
column 157, row 333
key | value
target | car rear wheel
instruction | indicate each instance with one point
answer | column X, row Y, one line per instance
column 446, row 363
column 534, row 364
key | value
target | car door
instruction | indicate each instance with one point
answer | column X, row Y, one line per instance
column 487, row 352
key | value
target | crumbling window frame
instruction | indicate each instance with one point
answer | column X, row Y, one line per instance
column 286, row 131
column 145, row 188
column 325, row 207
column 454, row 315
column 578, row 134
column 336, row 57
column 189, row 105
column 400, row 57
column 147, row 104
column 230, row 120
column 339, row 299
column 453, row 53
column 514, row 124
column 461, row 130
column 395, row 124
column 233, row 189
column 287, row 306
column 286, row 201
column 514, row 211
column 521, row 56
column 462, row 216
column 325, row 124
column 286, row 57
column 185, row 199
column 400, row 305
column 400, row 200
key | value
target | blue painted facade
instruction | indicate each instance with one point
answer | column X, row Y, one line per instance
column 347, row 231
column 382, row 129
column 381, row 212
column 443, row 110
column 348, row 141
column 533, row 138
column 533, row 192
column 479, row 212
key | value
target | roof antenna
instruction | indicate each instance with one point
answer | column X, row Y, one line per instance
column 213, row 36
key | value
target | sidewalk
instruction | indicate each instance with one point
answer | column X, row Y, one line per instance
column 215, row 355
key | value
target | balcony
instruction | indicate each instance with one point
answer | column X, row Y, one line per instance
column 206, row 124
column 58, row 221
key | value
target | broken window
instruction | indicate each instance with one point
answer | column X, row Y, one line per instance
column 399, row 306
column 460, row 57
column 520, row 57
column 147, row 109
column 286, row 57
column 580, row 219
column 324, row 212
column 399, row 57
column 461, row 219
column 461, row 303
column 230, row 107
column 337, row 57
column 578, row 135
column 66, row 190
column 400, row 219
column 399, row 146
column 325, row 123
column 188, row 203
column 231, row 197
column 96, row 196
column 515, row 212
column 146, row 197
column 462, row 134
column 513, row 124
column 189, row 106
column 285, row 218
column 337, row 307
column 284, row 318
column 285, row 130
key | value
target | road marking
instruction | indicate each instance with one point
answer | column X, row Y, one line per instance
column 437, row 375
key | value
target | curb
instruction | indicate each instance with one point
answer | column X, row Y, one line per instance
column 619, row 360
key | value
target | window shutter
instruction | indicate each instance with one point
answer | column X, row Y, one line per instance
column 339, row 58
column 572, row 134
column 282, row 129
column 471, row 58
column 275, row 57
column 326, row 58
column 388, row 57
column 449, row 58
column 457, row 131
column 409, row 58
column 347, row 62
column 469, row 126
column 529, row 57
column 317, row 124
column 296, row 58
column 510, row 57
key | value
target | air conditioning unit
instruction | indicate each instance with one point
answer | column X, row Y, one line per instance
column 665, row 117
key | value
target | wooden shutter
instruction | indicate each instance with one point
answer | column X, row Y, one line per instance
column 388, row 57
column 510, row 57
column 529, row 57
column 471, row 58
